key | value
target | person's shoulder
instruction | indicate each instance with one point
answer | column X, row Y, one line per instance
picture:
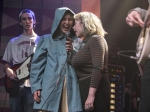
column 15, row 38
column 97, row 37
column 46, row 36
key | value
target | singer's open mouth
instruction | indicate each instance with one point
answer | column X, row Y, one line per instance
column 66, row 27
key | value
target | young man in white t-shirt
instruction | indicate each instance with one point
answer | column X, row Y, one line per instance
column 17, row 51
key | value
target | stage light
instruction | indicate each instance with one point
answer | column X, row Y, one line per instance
column 112, row 101
column 112, row 90
column 112, row 107
column 112, row 85
column 112, row 96
column 116, row 88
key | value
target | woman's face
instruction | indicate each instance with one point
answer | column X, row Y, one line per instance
column 78, row 28
column 66, row 23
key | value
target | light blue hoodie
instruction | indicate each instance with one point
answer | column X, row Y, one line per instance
column 49, row 67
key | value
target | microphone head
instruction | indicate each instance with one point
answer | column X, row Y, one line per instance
column 67, row 34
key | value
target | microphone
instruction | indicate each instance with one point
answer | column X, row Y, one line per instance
column 67, row 34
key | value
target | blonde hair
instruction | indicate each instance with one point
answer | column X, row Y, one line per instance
column 92, row 24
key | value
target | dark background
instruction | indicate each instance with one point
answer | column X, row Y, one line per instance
column 120, row 35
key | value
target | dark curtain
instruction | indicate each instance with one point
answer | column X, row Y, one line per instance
column 1, row 10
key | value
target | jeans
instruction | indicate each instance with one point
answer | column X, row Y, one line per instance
column 21, row 100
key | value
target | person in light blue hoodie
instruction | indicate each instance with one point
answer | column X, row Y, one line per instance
column 54, row 83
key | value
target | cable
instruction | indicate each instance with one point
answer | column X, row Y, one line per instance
column 139, row 67
column 131, row 91
column 141, row 74
column 127, row 51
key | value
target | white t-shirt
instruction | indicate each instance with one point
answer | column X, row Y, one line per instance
column 19, row 49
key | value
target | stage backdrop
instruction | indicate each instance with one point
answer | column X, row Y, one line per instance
column 44, row 12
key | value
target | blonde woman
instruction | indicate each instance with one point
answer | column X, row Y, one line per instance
column 90, row 63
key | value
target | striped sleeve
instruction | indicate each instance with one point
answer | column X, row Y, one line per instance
column 97, row 50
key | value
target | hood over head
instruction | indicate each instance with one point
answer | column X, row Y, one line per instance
column 59, row 13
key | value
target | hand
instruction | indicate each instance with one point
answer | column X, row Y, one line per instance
column 69, row 46
column 11, row 74
column 37, row 95
column 89, row 104
column 133, row 19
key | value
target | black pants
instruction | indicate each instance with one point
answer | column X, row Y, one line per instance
column 145, row 92
column 102, row 98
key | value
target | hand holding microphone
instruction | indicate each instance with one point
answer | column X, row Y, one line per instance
column 69, row 46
